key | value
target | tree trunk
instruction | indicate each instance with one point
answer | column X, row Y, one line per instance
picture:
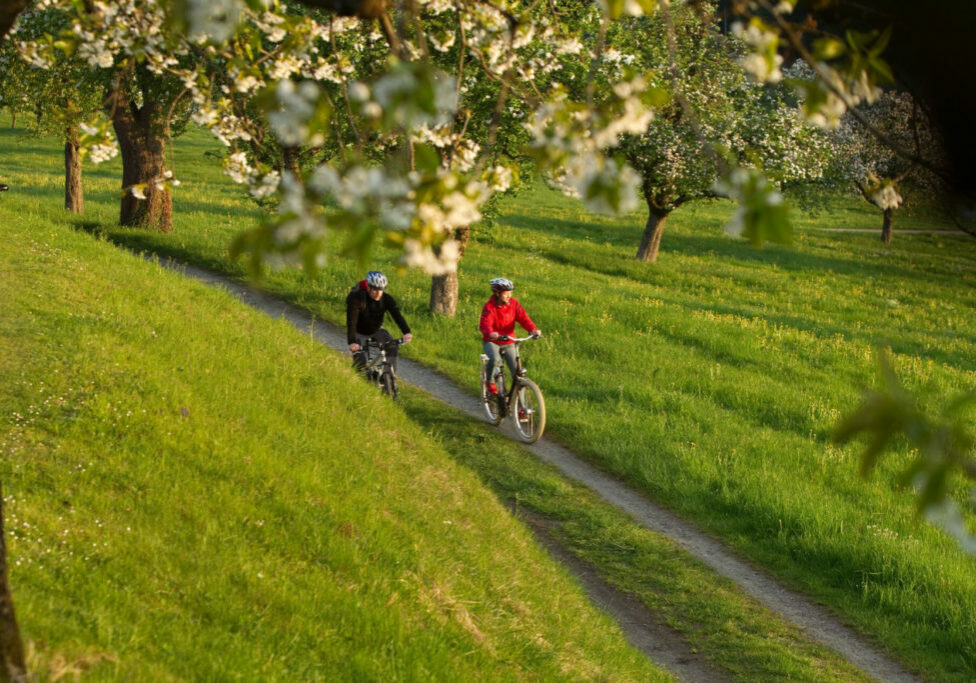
column 13, row 118
column 289, row 161
column 74, row 196
column 444, row 294
column 12, row 667
column 142, row 135
column 444, row 288
column 886, row 226
column 651, row 239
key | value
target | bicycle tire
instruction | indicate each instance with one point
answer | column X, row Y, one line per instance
column 388, row 385
column 529, row 413
column 490, row 402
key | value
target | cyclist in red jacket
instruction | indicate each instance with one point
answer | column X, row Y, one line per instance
column 498, row 318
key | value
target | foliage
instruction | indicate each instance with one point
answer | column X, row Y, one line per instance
column 56, row 96
column 943, row 445
column 881, row 175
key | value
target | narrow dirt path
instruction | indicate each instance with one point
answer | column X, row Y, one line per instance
column 819, row 623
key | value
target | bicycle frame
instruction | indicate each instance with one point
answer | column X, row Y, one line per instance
column 523, row 397
column 378, row 365
column 520, row 374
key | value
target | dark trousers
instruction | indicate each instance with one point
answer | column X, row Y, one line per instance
column 381, row 336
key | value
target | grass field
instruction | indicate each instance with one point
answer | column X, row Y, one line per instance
column 711, row 380
column 169, row 522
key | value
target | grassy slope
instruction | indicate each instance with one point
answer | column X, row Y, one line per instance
column 196, row 492
column 714, row 378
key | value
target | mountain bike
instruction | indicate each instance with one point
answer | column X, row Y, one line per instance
column 379, row 367
column 523, row 400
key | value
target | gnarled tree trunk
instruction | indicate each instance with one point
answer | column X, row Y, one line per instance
column 74, row 196
column 651, row 239
column 12, row 667
column 886, row 226
column 444, row 288
column 141, row 132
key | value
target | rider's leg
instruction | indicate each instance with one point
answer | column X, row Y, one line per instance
column 510, row 353
column 494, row 363
column 359, row 357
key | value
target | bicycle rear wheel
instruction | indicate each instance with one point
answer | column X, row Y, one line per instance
column 529, row 415
column 388, row 385
column 490, row 402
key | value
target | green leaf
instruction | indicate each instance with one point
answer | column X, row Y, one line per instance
column 881, row 43
column 881, row 68
column 828, row 48
column 426, row 158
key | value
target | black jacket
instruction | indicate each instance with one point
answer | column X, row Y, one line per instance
column 365, row 316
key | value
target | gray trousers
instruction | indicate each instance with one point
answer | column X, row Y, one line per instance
column 495, row 353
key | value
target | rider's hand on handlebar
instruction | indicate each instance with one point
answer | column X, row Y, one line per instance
column 536, row 333
column 407, row 337
column 354, row 347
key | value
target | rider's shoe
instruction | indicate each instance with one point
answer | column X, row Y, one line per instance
column 492, row 387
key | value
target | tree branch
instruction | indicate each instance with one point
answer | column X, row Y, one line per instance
column 859, row 116
column 9, row 11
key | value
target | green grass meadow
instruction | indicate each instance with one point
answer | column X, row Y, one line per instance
column 193, row 491
column 167, row 520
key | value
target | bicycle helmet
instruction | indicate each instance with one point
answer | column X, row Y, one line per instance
column 500, row 284
column 376, row 279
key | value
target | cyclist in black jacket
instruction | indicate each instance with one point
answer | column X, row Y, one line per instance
column 366, row 306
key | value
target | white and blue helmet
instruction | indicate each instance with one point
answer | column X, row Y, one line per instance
column 376, row 279
column 500, row 284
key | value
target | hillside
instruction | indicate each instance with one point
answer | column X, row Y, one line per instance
column 193, row 491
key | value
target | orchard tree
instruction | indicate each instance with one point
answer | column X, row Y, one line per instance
column 881, row 177
column 64, row 96
column 15, row 84
column 142, row 95
column 717, row 129
column 479, row 74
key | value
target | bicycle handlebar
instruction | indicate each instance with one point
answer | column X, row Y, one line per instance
column 505, row 337
column 370, row 341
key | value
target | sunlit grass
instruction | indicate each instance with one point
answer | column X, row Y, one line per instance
column 711, row 380
column 196, row 492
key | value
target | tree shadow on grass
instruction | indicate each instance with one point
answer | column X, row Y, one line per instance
column 717, row 245
column 615, row 265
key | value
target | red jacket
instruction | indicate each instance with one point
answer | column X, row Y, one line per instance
column 502, row 319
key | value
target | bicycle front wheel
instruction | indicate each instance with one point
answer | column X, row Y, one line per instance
column 529, row 415
column 388, row 385
column 490, row 402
